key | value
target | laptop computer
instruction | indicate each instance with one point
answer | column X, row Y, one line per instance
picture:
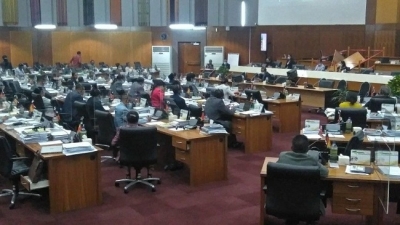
column 243, row 107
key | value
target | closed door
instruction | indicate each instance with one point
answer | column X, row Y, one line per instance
column 189, row 57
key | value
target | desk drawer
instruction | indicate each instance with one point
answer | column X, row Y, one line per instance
column 239, row 130
column 239, row 122
column 354, row 189
column 182, row 156
column 179, row 143
column 351, row 210
column 275, row 109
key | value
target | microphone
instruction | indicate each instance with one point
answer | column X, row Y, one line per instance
column 314, row 142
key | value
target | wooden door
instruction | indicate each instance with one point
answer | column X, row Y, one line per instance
column 189, row 57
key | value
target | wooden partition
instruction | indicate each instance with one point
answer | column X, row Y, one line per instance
column 108, row 47
column 21, row 47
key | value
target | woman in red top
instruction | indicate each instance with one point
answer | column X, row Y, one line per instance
column 157, row 94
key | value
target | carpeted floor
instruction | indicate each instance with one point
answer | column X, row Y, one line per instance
column 235, row 201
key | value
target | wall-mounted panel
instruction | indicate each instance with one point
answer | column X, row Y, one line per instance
column 387, row 11
column 386, row 39
column 21, row 47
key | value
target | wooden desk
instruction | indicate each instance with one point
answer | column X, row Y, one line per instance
column 366, row 190
column 287, row 112
column 74, row 181
column 387, row 67
column 256, row 131
column 205, row 155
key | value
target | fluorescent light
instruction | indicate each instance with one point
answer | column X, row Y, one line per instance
column 243, row 14
column 181, row 26
column 45, row 26
column 199, row 28
column 105, row 26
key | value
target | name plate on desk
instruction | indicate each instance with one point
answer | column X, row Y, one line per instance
column 386, row 158
column 293, row 97
column 360, row 157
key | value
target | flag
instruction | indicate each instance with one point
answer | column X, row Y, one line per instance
column 79, row 128
column 373, row 91
column 31, row 107
column 327, row 141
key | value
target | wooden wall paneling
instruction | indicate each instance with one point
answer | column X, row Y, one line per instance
column 42, row 47
column 256, row 55
column 330, row 41
column 355, row 39
column 156, row 36
column 60, row 41
column 285, row 43
column 387, row 11
column 307, row 44
column 369, row 36
column 141, row 48
column 370, row 14
column 5, row 43
column 100, row 47
column 21, row 47
column 121, row 48
column 387, row 39
column 80, row 41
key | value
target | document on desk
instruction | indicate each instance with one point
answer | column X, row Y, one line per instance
column 335, row 135
column 77, row 148
column 155, row 123
column 313, row 136
column 351, row 168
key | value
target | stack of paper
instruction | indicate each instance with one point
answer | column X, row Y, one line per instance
column 60, row 135
column 33, row 136
column 391, row 171
column 77, row 148
column 214, row 129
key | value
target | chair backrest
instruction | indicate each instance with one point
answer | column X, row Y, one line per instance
column 17, row 86
column 280, row 80
column 342, row 85
column 147, row 97
column 106, row 131
column 195, row 111
column 354, row 143
column 81, row 109
column 172, row 104
column 326, row 83
column 138, row 145
column 358, row 116
column 38, row 101
column 293, row 191
column 5, row 157
column 364, row 89
column 375, row 104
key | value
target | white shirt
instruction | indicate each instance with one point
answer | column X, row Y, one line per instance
column 320, row 67
column 227, row 91
column 19, row 72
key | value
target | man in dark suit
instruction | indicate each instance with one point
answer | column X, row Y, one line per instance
column 137, row 88
column 226, row 64
column 71, row 115
column 179, row 101
column 216, row 110
column 383, row 93
column 92, row 104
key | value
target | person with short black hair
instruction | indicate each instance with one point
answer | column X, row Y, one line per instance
column 299, row 157
column 384, row 92
column 76, row 60
column 343, row 67
column 179, row 101
column 81, row 80
column 290, row 62
column 117, row 84
column 6, row 65
column 226, row 64
column 92, row 104
column 226, row 89
column 190, row 78
column 157, row 94
column 121, row 111
column 137, row 88
column 320, row 66
column 19, row 71
column 209, row 65
column 171, row 77
column 351, row 101
column 132, row 118
column 71, row 115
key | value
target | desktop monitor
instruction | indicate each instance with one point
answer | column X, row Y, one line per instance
column 375, row 104
column 206, row 74
column 358, row 116
column 299, row 67
column 253, row 94
column 292, row 75
column 237, row 78
column 385, row 60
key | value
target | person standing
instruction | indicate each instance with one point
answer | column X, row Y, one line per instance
column 76, row 60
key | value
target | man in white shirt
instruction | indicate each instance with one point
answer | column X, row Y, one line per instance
column 226, row 89
column 320, row 66
column 19, row 71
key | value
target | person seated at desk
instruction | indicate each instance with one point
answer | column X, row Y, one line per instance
column 265, row 74
column 137, row 88
column 19, row 71
column 157, row 94
column 46, row 107
column 384, row 92
column 73, row 81
column 320, row 66
column 132, row 119
column 351, row 101
column 92, row 104
column 179, row 101
column 226, row 89
column 299, row 157
column 171, row 78
column 71, row 115
column 290, row 62
column 117, row 84
column 190, row 81
column 226, row 64
column 4, row 105
column 343, row 68
column 269, row 63
column 210, row 65
column 217, row 111
column 6, row 65
column 121, row 110
column 81, row 80
column 41, row 82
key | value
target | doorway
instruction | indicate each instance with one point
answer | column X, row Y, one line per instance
column 189, row 57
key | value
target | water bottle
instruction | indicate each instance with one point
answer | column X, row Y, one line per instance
column 333, row 152
column 349, row 125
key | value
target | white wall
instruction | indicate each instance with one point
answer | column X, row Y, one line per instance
column 311, row 12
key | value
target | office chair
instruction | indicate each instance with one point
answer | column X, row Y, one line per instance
column 195, row 111
column 375, row 104
column 326, row 83
column 354, row 143
column 342, row 85
column 395, row 73
column 106, row 131
column 364, row 91
column 171, row 103
column 280, row 80
column 358, row 116
column 38, row 102
column 12, row 167
column 293, row 192
column 84, row 115
column 138, row 149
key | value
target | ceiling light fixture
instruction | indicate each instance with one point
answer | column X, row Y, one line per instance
column 45, row 26
column 243, row 14
column 199, row 28
column 181, row 26
column 105, row 26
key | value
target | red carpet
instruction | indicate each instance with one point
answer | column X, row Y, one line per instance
column 235, row 201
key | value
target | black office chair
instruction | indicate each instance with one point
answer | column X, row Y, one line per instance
column 147, row 97
column 342, row 85
column 358, row 116
column 174, row 108
column 138, row 149
column 83, row 114
column 38, row 102
column 195, row 111
column 106, row 131
column 12, row 167
column 354, row 143
column 364, row 90
column 375, row 104
column 326, row 83
column 293, row 192
column 280, row 80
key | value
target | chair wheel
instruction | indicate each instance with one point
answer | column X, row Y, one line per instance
column 126, row 191
column 12, row 206
column 153, row 190
column 116, row 184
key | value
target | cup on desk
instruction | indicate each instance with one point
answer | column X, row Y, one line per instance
column 356, row 129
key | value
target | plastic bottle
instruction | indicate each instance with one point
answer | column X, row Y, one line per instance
column 334, row 152
column 349, row 125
